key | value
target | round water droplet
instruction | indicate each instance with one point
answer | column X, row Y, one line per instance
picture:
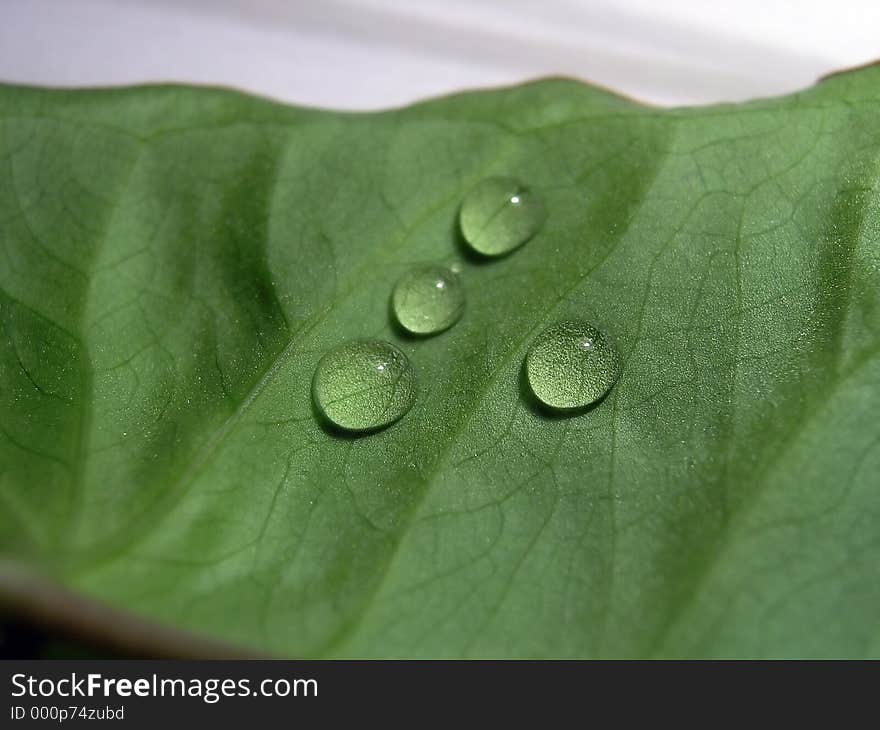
column 428, row 300
column 571, row 365
column 364, row 385
column 499, row 215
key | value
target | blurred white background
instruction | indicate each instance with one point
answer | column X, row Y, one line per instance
column 367, row 54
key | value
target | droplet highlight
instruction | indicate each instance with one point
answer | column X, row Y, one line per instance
column 499, row 215
column 571, row 365
column 428, row 300
column 364, row 386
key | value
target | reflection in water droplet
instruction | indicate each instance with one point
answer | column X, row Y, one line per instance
column 428, row 300
column 499, row 215
column 571, row 365
column 364, row 385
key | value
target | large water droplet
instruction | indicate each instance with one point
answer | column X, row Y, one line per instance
column 364, row 385
column 427, row 300
column 571, row 365
column 499, row 215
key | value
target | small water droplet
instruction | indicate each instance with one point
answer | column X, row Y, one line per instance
column 571, row 365
column 364, row 385
column 428, row 300
column 499, row 215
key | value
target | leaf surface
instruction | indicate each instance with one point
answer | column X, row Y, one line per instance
column 175, row 261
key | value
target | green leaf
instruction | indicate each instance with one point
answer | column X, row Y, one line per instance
column 175, row 261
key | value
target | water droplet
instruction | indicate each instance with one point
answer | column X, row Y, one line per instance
column 571, row 365
column 499, row 215
column 364, row 385
column 428, row 300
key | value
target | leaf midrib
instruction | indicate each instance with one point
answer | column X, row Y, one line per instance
column 504, row 361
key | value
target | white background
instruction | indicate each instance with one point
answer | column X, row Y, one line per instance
column 366, row 54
